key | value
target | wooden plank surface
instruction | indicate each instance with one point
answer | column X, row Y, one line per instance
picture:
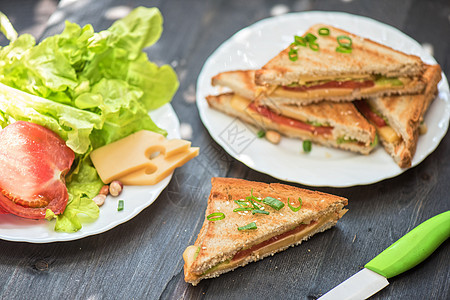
column 142, row 259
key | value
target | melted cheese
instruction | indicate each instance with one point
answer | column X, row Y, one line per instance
column 388, row 134
column 190, row 254
column 239, row 103
column 278, row 91
column 142, row 158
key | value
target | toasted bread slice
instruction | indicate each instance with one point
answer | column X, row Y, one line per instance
column 220, row 247
column 403, row 115
column 332, row 124
column 371, row 69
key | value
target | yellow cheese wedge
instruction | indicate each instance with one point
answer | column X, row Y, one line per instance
column 142, row 158
column 165, row 166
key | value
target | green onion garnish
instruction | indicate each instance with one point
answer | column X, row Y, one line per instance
column 294, row 209
column 274, row 203
column 300, row 41
column 314, row 46
column 251, row 197
column 249, row 226
column 344, row 41
column 324, row 31
column 343, row 49
column 120, row 205
column 259, row 211
column 243, row 209
column 242, row 204
column 261, row 133
column 293, row 54
column 307, row 145
column 310, row 37
column 215, row 216
column 255, row 205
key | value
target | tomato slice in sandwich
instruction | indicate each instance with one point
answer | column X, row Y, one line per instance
column 365, row 109
column 3, row 212
column 34, row 163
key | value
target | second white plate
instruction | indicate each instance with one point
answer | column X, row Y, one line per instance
column 251, row 48
column 136, row 198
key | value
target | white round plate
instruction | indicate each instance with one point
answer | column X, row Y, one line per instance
column 251, row 48
column 136, row 198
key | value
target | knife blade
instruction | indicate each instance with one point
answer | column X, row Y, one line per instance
column 407, row 252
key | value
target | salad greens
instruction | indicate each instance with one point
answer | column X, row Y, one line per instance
column 90, row 88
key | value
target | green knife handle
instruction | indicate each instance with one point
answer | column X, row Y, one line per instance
column 413, row 247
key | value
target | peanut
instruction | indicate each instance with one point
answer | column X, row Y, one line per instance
column 115, row 188
column 273, row 136
column 104, row 190
column 423, row 128
column 99, row 199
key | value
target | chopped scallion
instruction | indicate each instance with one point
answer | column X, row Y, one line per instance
column 300, row 41
column 310, row 37
column 242, row 204
column 293, row 54
column 314, row 46
column 274, row 203
column 307, row 145
column 324, row 31
column 295, row 208
column 343, row 49
column 259, row 211
column 243, row 209
column 120, row 205
column 261, row 133
column 251, row 197
column 215, row 216
column 344, row 41
column 249, row 226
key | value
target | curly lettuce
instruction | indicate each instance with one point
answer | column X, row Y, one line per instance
column 92, row 88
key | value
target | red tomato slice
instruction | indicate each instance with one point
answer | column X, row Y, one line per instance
column 266, row 112
column 34, row 162
column 3, row 212
column 364, row 108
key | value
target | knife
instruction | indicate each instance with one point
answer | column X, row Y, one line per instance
column 410, row 250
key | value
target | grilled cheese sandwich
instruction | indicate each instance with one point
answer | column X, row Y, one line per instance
column 369, row 69
column 221, row 247
column 398, row 118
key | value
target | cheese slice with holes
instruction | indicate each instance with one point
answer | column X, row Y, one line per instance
column 142, row 158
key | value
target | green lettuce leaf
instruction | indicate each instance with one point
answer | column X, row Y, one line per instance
column 90, row 88
column 82, row 187
column 73, row 125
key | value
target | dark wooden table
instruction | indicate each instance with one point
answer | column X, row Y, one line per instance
column 142, row 259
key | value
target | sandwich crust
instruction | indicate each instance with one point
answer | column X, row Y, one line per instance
column 404, row 114
column 219, row 241
column 367, row 57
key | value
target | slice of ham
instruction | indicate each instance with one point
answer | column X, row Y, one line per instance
column 34, row 163
column 266, row 112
